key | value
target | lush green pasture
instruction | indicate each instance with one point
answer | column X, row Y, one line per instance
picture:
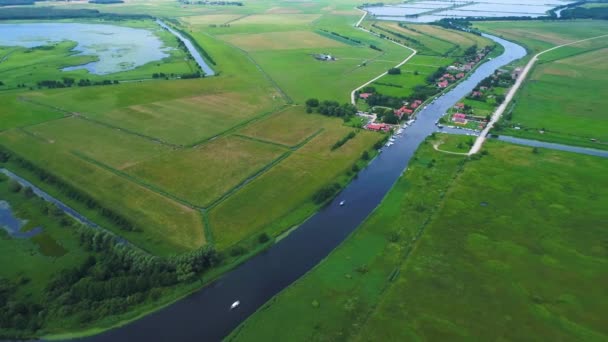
column 280, row 41
column 563, row 98
column 333, row 300
column 167, row 226
column 413, row 73
column 208, row 171
column 17, row 113
column 527, row 264
column 282, row 197
column 289, row 127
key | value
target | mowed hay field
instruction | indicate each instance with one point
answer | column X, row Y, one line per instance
column 282, row 197
column 280, row 40
column 187, row 121
column 202, row 174
column 289, row 127
column 526, row 266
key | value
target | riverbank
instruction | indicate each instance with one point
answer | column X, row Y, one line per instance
column 272, row 271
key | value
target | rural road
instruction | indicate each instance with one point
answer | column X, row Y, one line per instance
column 414, row 52
column 500, row 110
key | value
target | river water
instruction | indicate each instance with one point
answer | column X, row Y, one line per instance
column 193, row 51
column 206, row 315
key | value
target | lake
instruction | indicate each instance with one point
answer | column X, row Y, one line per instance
column 117, row 48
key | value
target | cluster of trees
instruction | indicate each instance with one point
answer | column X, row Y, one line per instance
column 63, row 13
column 585, row 13
column 69, row 190
column 397, row 34
column 67, row 82
column 199, row 48
column 389, row 84
column 331, row 108
column 374, row 47
column 394, row 71
column 342, row 36
column 325, row 193
column 343, row 141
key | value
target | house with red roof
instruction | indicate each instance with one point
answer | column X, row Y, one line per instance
column 459, row 105
column 403, row 111
column 378, row 127
column 365, row 95
column 459, row 118
column 443, row 84
column 460, row 75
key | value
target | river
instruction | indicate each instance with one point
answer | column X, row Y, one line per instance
column 193, row 51
column 206, row 315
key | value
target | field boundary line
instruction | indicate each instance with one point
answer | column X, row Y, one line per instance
column 236, row 19
column 234, row 128
column 207, row 227
column 25, row 99
column 414, row 52
column 135, row 180
column 511, row 94
column 128, row 131
column 263, row 170
column 286, row 97
column 262, row 141
column 248, row 180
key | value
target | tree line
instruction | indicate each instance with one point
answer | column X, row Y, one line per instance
column 69, row 190
column 113, row 278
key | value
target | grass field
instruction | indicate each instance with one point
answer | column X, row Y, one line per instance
column 289, row 127
column 280, row 41
column 519, row 268
column 208, row 171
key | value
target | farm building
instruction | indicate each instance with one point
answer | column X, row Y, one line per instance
column 378, row 127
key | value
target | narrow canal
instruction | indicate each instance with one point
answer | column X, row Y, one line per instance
column 206, row 314
column 191, row 48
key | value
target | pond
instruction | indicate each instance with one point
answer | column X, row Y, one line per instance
column 117, row 48
column 12, row 224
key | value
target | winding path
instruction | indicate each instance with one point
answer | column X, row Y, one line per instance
column 503, row 106
column 358, row 25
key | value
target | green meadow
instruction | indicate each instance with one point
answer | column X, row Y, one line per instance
column 424, row 267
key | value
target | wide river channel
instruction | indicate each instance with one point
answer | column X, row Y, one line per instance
column 206, row 315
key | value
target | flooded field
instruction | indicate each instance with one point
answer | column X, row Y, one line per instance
column 117, row 48
column 428, row 11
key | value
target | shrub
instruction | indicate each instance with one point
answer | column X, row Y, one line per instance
column 14, row 186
